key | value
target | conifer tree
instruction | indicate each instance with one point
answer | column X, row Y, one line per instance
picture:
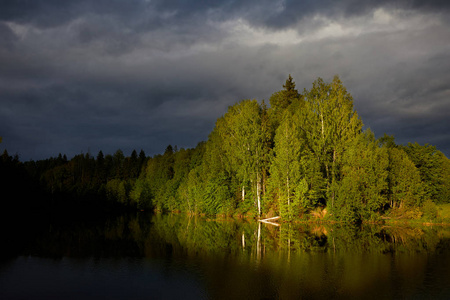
column 281, row 100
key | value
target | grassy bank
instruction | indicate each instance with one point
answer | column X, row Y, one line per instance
column 444, row 212
column 429, row 215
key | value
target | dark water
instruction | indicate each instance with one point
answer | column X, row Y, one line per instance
column 144, row 256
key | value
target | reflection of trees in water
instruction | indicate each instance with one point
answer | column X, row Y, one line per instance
column 400, row 235
column 410, row 239
column 144, row 235
column 242, row 259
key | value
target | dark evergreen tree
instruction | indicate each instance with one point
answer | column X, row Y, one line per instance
column 281, row 100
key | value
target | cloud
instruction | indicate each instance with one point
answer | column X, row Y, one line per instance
column 90, row 75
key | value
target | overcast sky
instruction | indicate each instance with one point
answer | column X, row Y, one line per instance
column 83, row 76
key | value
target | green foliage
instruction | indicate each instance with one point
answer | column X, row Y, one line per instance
column 141, row 194
column 290, row 166
column 119, row 191
column 281, row 100
column 434, row 170
column 305, row 155
column 241, row 140
column 405, row 185
column 387, row 141
column 444, row 179
column 212, row 179
column 362, row 189
column 331, row 124
column 430, row 211
column 444, row 212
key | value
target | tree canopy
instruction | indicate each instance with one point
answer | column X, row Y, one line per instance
column 305, row 155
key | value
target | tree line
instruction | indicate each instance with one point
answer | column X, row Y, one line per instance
column 60, row 182
column 305, row 155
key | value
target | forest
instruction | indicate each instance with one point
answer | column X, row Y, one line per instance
column 306, row 156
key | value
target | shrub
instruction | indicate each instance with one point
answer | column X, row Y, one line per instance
column 429, row 210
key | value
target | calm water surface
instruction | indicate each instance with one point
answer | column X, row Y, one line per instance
column 144, row 256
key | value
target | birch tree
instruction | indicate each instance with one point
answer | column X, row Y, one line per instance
column 243, row 143
column 363, row 187
column 405, row 186
column 330, row 125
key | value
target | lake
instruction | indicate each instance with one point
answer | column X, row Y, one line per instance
column 145, row 256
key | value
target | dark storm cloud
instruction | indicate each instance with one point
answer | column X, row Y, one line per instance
column 78, row 76
column 49, row 13
column 8, row 37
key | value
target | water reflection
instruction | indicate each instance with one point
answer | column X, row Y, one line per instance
column 241, row 259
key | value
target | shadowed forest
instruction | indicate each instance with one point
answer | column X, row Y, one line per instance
column 307, row 156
